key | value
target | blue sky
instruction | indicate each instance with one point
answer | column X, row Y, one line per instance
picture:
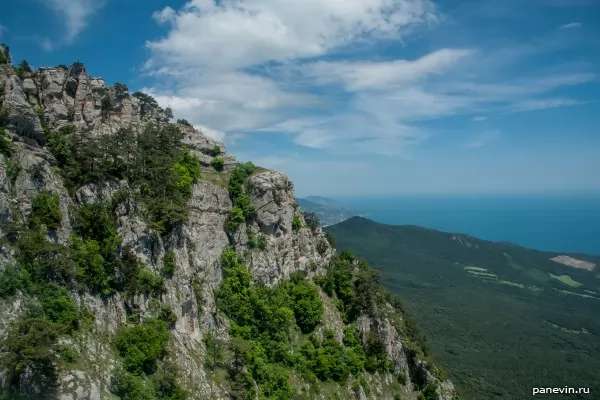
column 355, row 97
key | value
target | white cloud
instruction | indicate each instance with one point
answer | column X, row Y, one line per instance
column 76, row 16
column 241, row 33
column 274, row 66
column 542, row 104
column 571, row 25
column 382, row 75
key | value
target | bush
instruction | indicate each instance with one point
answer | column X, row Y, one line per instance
column 218, row 163
column 296, row 223
column 262, row 241
column 5, row 58
column 45, row 210
column 169, row 263
column 6, row 146
column 184, row 122
column 141, row 346
column 29, row 348
column 215, row 151
column 131, row 387
column 167, row 315
column 429, row 393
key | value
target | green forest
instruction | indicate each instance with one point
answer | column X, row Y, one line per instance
column 502, row 319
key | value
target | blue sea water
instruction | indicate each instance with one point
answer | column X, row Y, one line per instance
column 561, row 223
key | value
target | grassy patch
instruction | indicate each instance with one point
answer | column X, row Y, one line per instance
column 567, row 280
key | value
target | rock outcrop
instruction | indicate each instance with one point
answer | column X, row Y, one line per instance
column 52, row 98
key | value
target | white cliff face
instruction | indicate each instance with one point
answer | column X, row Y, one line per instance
column 72, row 97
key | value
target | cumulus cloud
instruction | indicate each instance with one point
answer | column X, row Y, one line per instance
column 276, row 66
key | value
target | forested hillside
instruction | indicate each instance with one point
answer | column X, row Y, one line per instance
column 502, row 319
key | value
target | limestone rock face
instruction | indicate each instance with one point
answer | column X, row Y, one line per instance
column 70, row 96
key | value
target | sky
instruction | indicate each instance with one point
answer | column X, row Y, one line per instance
column 355, row 97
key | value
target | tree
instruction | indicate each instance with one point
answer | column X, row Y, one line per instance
column 168, row 114
column 24, row 65
column 5, row 58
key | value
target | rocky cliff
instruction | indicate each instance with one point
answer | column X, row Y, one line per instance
column 185, row 255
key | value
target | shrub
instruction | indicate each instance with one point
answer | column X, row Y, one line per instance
column 106, row 102
column 296, row 223
column 428, row 393
column 141, row 346
column 218, row 163
column 5, row 58
column 215, row 151
column 29, row 348
column 167, row 315
column 169, row 263
column 184, row 122
column 262, row 241
column 45, row 210
column 131, row 387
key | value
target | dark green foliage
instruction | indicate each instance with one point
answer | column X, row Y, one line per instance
column 197, row 288
column 5, row 58
column 13, row 279
column 305, row 302
column 121, row 90
column 106, row 103
column 44, row 261
column 355, row 285
column 167, row 315
column 22, row 69
column 460, row 311
column 165, row 383
column 184, row 122
column 243, row 210
column 147, row 103
column 169, row 264
column 251, row 238
column 62, row 66
column 30, row 347
column 296, row 223
column 215, row 151
column 12, row 171
column 376, row 354
column 6, row 146
column 262, row 241
column 428, row 393
column 156, row 164
column 45, row 210
column 129, row 386
column 218, row 163
column 168, row 113
column 312, row 221
column 141, row 346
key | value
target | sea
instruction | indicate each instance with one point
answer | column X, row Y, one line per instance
column 557, row 223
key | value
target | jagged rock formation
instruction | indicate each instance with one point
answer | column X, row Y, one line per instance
column 52, row 98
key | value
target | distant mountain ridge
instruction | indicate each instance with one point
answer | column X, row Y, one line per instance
column 502, row 318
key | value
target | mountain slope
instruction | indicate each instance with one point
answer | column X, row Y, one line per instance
column 138, row 261
column 503, row 319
